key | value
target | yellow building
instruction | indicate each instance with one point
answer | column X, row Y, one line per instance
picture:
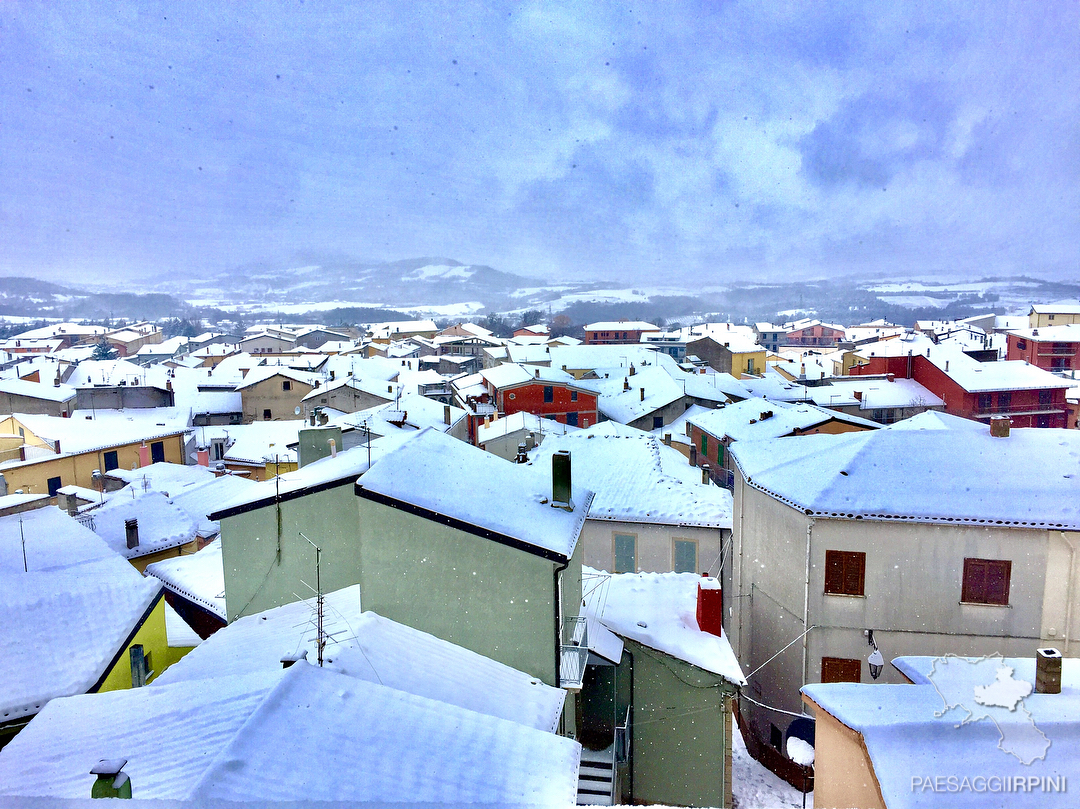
column 36, row 462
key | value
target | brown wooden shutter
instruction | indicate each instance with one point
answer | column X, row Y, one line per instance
column 840, row 670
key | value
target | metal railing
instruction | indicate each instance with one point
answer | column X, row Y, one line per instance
column 574, row 653
column 86, row 520
column 622, row 740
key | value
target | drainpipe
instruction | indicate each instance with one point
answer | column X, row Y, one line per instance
column 1070, row 591
column 806, row 601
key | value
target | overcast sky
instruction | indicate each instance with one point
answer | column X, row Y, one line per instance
column 684, row 142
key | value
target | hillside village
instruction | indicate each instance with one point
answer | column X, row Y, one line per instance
column 712, row 565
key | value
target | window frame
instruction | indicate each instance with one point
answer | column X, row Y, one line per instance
column 549, row 394
column 157, row 450
column 979, row 593
column 110, row 460
column 286, row 384
column 675, row 541
column 615, row 536
column 852, row 563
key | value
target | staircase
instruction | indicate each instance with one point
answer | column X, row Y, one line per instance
column 596, row 777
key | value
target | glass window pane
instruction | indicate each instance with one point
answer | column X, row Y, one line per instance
column 685, row 556
column 625, row 553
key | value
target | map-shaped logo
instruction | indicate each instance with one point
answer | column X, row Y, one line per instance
column 984, row 688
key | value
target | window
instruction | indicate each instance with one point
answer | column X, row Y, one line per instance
column 840, row 670
column 684, row 556
column 157, row 452
column 986, row 581
column 625, row 553
column 845, row 572
column 1021, row 345
column 573, row 396
column 286, row 385
column 111, row 461
column 705, row 445
column 549, row 394
column 657, row 422
column 54, row 486
column 266, row 414
column 513, row 396
column 1044, row 397
column 985, row 401
column 1004, row 400
column 571, row 419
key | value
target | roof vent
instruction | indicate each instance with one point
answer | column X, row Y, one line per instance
column 112, row 781
column 1047, row 671
column 999, row 426
column 131, row 530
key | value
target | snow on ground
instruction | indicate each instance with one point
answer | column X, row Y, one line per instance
column 755, row 787
column 916, row 301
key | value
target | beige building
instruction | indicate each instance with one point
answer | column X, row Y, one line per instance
column 1054, row 314
column 919, row 542
column 273, row 393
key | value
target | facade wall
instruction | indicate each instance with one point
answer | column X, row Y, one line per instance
column 257, row 578
column 530, row 399
column 14, row 403
column 346, row 399
column 270, row 395
column 155, row 642
column 119, row 397
column 655, row 547
column 1050, row 355
column 843, row 772
column 477, row 593
column 77, row 470
column 913, row 586
column 621, row 337
column 681, row 732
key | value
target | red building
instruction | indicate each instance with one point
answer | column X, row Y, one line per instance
column 1052, row 348
column 812, row 333
column 1029, row 396
column 620, row 332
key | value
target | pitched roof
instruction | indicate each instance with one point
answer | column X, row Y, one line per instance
column 638, row 479
column 235, row 738
column 659, row 610
column 934, row 476
column 198, row 577
column 479, row 492
column 61, row 629
column 756, row 419
column 161, row 524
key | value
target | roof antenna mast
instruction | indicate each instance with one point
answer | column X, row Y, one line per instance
column 320, row 634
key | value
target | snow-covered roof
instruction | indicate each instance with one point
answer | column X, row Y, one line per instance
column 314, row 477
column 775, row 387
column 168, row 478
column 374, row 387
column 382, row 331
column 908, row 730
column 936, row 420
column 621, row 325
column 162, row 525
column 1065, row 307
column 873, row 394
column 385, row 419
column 638, row 479
column 52, row 539
column 713, row 387
column 577, row 357
column 518, row 422
column 935, row 476
column 198, row 577
column 448, row 477
column 370, row 647
column 625, row 406
column 1068, row 333
column 659, row 610
column 264, row 372
column 198, row 502
column 974, row 376
column 677, row 428
column 37, row 390
column 83, row 433
column 61, row 629
column 756, row 419
column 254, row 443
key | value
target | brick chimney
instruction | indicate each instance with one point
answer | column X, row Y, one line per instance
column 1047, row 671
column 999, row 426
column 710, row 611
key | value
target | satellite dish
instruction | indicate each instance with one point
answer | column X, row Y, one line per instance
column 296, row 410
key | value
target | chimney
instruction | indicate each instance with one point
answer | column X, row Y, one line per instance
column 333, row 447
column 1047, row 671
column 890, row 377
column 536, row 373
column 693, row 455
column 704, row 473
column 643, row 394
column 57, row 446
column 633, row 370
column 625, row 384
column 446, row 414
column 946, row 366
column 999, row 426
column 111, row 781
column 530, row 440
column 332, row 376
column 131, row 530
column 523, row 453
column 203, row 457
column 667, row 439
column 710, row 611
column 561, row 484
column 389, row 388
column 324, row 418
column 858, row 396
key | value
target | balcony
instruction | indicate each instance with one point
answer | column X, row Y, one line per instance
column 574, row 653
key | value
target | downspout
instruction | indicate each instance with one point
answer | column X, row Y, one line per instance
column 557, row 590
column 806, row 600
column 1070, row 591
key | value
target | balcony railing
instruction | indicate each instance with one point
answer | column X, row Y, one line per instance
column 574, row 653
column 622, row 740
